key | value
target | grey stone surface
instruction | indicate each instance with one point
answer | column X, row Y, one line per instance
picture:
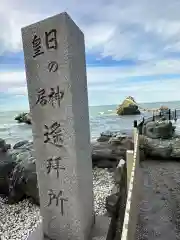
column 66, row 125
column 99, row 231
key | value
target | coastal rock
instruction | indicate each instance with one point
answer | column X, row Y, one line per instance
column 7, row 164
column 117, row 139
column 23, row 181
column 158, row 148
column 20, row 144
column 18, row 177
column 3, row 146
column 163, row 108
column 163, row 148
column 24, row 118
column 128, row 107
column 111, row 203
column 112, row 150
column 105, row 136
column 175, row 148
column 105, row 163
column 158, row 129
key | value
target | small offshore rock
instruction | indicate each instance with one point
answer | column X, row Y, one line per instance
column 20, row 144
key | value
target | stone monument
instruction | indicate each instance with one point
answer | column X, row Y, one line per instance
column 57, row 88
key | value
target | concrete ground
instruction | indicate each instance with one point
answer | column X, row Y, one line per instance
column 159, row 208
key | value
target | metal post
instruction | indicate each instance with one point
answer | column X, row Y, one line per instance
column 153, row 117
column 175, row 115
column 169, row 114
column 135, row 123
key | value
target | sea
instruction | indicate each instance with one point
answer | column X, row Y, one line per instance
column 102, row 118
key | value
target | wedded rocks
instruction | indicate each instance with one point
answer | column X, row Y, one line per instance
column 128, row 107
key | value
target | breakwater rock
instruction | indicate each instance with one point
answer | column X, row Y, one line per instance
column 18, row 177
column 159, row 139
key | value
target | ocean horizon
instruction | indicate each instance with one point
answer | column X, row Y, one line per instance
column 102, row 118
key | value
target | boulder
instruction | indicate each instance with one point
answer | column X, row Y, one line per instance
column 111, row 203
column 113, row 150
column 20, row 144
column 7, row 164
column 3, row 146
column 106, row 163
column 162, row 148
column 128, row 107
column 158, row 148
column 158, row 129
column 163, row 108
column 18, row 177
column 175, row 148
column 24, row 118
column 105, row 136
column 117, row 139
column 23, row 181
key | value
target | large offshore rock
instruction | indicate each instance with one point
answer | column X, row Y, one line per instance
column 128, row 107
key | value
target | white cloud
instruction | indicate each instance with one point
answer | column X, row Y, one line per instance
column 141, row 29
column 112, row 84
column 105, row 74
column 12, row 77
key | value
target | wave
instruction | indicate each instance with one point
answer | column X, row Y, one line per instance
column 6, row 126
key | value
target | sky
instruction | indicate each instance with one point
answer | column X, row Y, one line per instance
column 132, row 48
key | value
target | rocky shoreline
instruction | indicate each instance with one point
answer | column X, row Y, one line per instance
column 17, row 164
column 18, row 180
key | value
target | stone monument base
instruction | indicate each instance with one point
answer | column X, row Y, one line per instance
column 99, row 231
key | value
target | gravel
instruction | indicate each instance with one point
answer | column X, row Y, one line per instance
column 159, row 209
column 17, row 221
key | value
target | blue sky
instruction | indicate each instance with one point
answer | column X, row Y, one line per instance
column 132, row 48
